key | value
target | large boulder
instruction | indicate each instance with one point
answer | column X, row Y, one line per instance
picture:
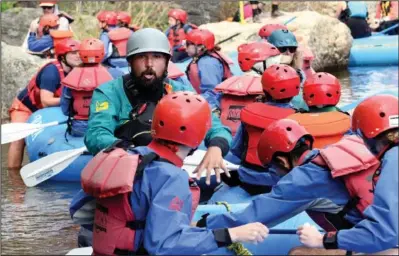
column 329, row 39
column 18, row 67
column 201, row 12
column 15, row 24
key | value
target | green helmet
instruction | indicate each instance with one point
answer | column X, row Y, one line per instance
column 147, row 40
column 282, row 38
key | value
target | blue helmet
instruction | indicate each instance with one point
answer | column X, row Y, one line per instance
column 282, row 38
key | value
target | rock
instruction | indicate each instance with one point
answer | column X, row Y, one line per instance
column 15, row 24
column 329, row 39
column 201, row 12
column 18, row 67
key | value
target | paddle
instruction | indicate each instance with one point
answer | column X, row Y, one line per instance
column 16, row 131
column 387, row 29
column 44, row 168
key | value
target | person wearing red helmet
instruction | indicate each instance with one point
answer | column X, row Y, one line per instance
column 324, row 121
column 208, row 67
column 176, row 33
column 280, row 83
column 124, row 20
column 108, row 22
column 349, row 188
column 266, row 30
column 43, row 90
column 43, row 41
column 80, row 83
column 139, row 192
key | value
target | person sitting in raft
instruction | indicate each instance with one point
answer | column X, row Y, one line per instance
column 49, row 7
column 107, row 21
column 143, row 190
column 286, row 43
column 80, row 83
column 208, row 67
column 387, row 16
column 43, row 90
column 123, row 108
column 324, row 121
column 124, row 20
column 354, row 14
column 252, row 10
column 348, row 188
column 266, row 30
column 43, row 42
column 230, row 99
column 176, row 33
column 280, row 84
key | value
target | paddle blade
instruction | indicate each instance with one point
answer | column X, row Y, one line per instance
column 44, row 168
column 16, row 131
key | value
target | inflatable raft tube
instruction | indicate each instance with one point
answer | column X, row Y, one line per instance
column 281, row 240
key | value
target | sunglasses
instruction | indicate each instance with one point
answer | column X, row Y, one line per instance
column 47, row 7
column 284, row 49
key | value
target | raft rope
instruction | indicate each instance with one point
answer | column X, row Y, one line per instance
column 237, row 248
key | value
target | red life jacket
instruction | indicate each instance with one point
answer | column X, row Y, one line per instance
column 326, row 128
column 106, row 178
column 237, row 92
column 256, row 117
column 174, row 71
column 34, row 89
column 192, row 70
column 118, row 38
column 176, row 37
column 82, row 81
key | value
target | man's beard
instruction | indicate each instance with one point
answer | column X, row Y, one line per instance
column 149, row 89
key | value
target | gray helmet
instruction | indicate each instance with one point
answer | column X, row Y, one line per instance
column 147, row 40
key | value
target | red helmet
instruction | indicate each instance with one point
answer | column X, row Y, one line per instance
column 47, row 3
column 50, row 20
column 65, row 46
column 101, row 16
column 251, row 53
column 178, row 14
column 281, row 81
column 201, row 37
column 182, row 117
column 375, row 115
column 91, row 50
column 307, row 54
column 322, row 89
column 109, row 17
column 266, row 30
column 280, row 136
column 124, row 17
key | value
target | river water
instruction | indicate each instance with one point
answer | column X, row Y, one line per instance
column 36, row 220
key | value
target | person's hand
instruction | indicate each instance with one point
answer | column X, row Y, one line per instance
column 250, row 233
column 213, row 160
column 33, row 26
column 310, row 236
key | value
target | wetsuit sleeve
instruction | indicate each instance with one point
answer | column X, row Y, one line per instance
column 167, row 228
column 379, row 230
column 39, row 45
column 102, row 122
column 49, row 79
column 66, row 99
column 293, row 194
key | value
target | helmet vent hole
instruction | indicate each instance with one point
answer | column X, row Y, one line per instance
column 188, row 100
column 272, row 88
column 320, row 75
column 183, row 128
column 199, row 100
column 161, row 123
column 273, row 48
column 329, row 95
column 247, row 59
column 297, row 87
column 277, row 68
column 337, row 92
column 382, row 114
column 174, row 97
column 285, row 70
column 282, row 90
column 186, row 94
column 311, row 95
column 289, row 129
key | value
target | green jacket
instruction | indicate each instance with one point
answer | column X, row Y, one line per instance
column 110, row 108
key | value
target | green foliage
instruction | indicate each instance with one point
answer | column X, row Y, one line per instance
column 7, row 5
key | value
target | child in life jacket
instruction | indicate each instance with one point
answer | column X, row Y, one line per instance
column 43, row 90
column 208, row 67
column 324, row 121
column 233, row 94
column 144, row 201
column 348, row 188
column 176, row 33
column 41, row 42
column 124, row 20
column 280, row 83
column 80, row 84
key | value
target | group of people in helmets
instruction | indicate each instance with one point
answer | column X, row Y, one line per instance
column 297, row 151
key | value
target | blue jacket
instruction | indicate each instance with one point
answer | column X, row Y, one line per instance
column 39, row 45
column 210, row 73
column 187, row 28
column 310, row 186
column 105, row 39
column 166, row 231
